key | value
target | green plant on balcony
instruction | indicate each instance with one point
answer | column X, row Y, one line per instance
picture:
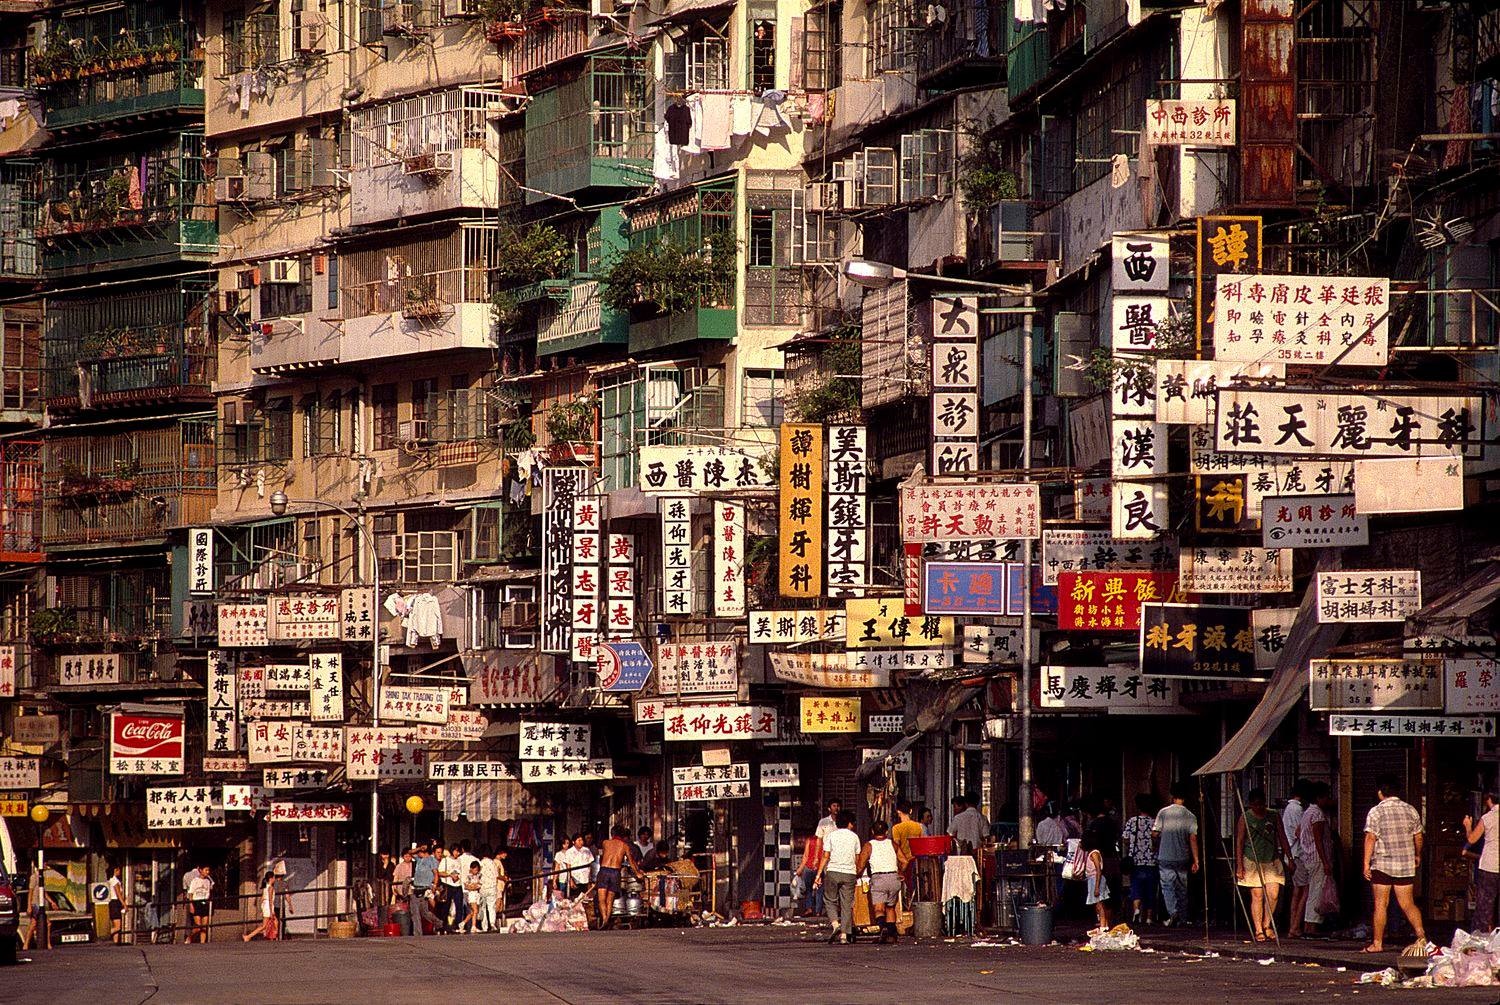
column 834, row 392
column 571, row 421
column 664, row 277
column 54, row 625
column 57, row 61
column 983, row 177
column 421, row 299
column 504, row 18
column 539, row 253
column 124, row 53
column 505, row 311
column 83, row 486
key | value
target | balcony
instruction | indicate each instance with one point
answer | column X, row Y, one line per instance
column 708, row 323
column 1004, row 235
column 591, row 127
column 545, row 36
column 430, row 312
column 19, row 181
column 20, row 501
column 129, row 487
column 578, row 320
column 129, row 208
column 1028, row 58
column 433, row 153
column 130, row 349
column 289, row 345
column 966, row 48
column 139, row 74
column 686, row 235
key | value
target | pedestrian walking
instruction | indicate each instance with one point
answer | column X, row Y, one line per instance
column 616, row 855
column 1315, row 851
column 401, row 879
column 490, row 870
column 36, row 907
column 1259, row 847
column 473, row 898
column 116, row 906
column 883, row 857
column 1140, row 860
column 1096, row 887
column 1393, row 853
column 1291, row 821
column 837, row 869
column 812, row 893
column 1487, row 876
column 423, row 883
column 1175, row 834
column 268, row 928
column 200, row 889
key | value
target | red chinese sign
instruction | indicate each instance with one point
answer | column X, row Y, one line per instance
column 145, row 744
column 1108, row 601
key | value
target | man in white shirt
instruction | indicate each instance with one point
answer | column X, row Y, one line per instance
column 836, row 875
column 453, row 885
column 200, row 889
column 574, row 863
column 829, row 823
column 1291, row 824
column 465, row 859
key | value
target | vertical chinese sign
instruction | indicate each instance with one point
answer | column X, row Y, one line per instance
column 1226, row 245
column 619, row 590
column 586, row 579
column 677, row 554
column 955, row 385
column 326, row 686
column 560, row 486
column 201, row 560
column 729, row 560
column 1141, row 273
column 848, row 520
column 223, row 704
column 801, row 537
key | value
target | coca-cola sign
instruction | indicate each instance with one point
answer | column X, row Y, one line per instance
column 141, row 744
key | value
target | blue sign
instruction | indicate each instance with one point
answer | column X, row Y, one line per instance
column 623, row 666
column 992, row 588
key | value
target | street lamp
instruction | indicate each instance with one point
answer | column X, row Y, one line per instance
column 878, row 275
column 279, row 504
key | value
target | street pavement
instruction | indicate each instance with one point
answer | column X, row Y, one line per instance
column 771, row 965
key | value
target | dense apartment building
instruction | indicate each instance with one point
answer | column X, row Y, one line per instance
column 323, row 324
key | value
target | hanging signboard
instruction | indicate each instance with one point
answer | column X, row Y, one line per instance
column 830, row 715
column 463, row 726
column 783, row 627
column 1138, row 510
column 1366, row 595
column 699, row 782
column 801, row 511
column 830, row 670
column 848, row 520
column 974, row 588
column 1222, row 505
column 1140, row 263
column 649, row 710
column 1184, row 390
column 200, row 560
column 325, row 686
column 888, row 660
column 677, row 554
column 1197, row 642
column 882, row 623
column 1133, row 390
column 20, row 772
column 1190, row 122
column 1271, row 626
column 287, row 677
column 786, row 775
column 1091, row 499
column 619, row 586
column 483, row 771
column 1115, row 690
column 1313, row 522
column 1225, row 244
column 1456, row 727
column 1108, row 601
column 561, row 486
column 694, row 470
column 184, row 807
column 1097, row 551
column 1409, row 485
column 146, row 744
column 42, row 729
column 996, row 643
column 310, row 813
column 223, row 713
column 1139, row 448
column 555, row 741
column 241, row 798
column 301, row 616
column 414, row 704
column 623, row 666
column 1302, row 422
column 317, row 743
column 294, row 778
column 1235, row 570
column 586, row 578
column 729, row 560
column 88, row 669
column 693, row 668
column 885, row 723
column 386, row 752
column 1471, row 686
column 955, row 385
column 358, row 606
column 243, row 625
column 270, row 740
column 232, row 765
column 598, row 769
column 948, row 512
column 1316, row 320
column 1373, row 685
column 720, row 722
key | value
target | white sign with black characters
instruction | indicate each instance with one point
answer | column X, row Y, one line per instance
column 1272, row 628
column 481, row 771
column 223, row 734
column 201, row 560
column 677, row 555
column 1140, row 448
column 1312, row 522
column 1087, row 550
column 848, row 520
column 780, row 776
column 555, row 741
column 955, row 385
column 1140, row 263
column 1235, row 570
column 294, row 778
column 1409, row 484
column 1185, row 388
column 1136, row 321
column 1307, row 422
column 885, row 723
column 1462, row 727
column 1368, row 595
column 1307, row 320
column 1138, row 510
column 184, row 806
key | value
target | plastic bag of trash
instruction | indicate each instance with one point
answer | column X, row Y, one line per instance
column 1118, row 938
column 1386, row 978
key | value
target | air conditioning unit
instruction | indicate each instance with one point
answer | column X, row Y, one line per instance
column 282, row 270
column 231, row 188
column 399, row 19
column 311, row 38
column 432, row 163
column 412, row 433
column 821, row 197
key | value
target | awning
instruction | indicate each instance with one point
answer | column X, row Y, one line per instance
column 684, row 10
column 933, row 717
column 1454, row 608
column 1307, row 640
column 478, row 802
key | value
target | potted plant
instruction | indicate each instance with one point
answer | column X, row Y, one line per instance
column 570, row 428
column 665, row 278
column 503, row 19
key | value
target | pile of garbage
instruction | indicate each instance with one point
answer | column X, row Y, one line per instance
column 1471, row 960
column 1112, row 940
column 557, row 914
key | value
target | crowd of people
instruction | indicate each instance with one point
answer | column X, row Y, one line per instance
column 449, row 889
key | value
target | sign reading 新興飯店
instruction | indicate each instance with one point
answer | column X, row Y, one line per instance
column 1365, row 595
column 146, row 744
column 1374, row 685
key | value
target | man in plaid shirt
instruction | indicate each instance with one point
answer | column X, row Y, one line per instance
column 1393, row 849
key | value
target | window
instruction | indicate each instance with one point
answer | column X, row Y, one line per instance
column 422, row 392
column 337, row 532
column 311, row 551
column 279, row 429
column 762, row 238
column 622, row 414
column 312, row 425
column 333, row 282
column 773, row 282
column 822, row 49
column 460, row 409
column 762, row 46
column 894, row 36
column 383, row 405
column 429, row 556
column 761, row 406
column 331, row 436
column 351, row 427
column 280, row 300
column 926, row 164
column 1117, row 106
column 484, row 533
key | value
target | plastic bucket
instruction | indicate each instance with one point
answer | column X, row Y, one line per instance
column 927, row 920
column 1036, row 925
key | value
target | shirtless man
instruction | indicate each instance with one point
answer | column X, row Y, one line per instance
column 616, row 853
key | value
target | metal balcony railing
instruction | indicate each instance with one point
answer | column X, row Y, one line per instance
column 135, row 74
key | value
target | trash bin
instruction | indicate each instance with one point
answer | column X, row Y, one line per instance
column 402, row 919
column 927, row 919
column 1036, row 925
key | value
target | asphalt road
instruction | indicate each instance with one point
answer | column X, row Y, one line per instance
column 764, row 966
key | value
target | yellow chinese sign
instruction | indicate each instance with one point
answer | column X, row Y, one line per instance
column 1226, row 244
column 830, row 715
column 10, row 807
column 883, row 624
column 801, row 559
